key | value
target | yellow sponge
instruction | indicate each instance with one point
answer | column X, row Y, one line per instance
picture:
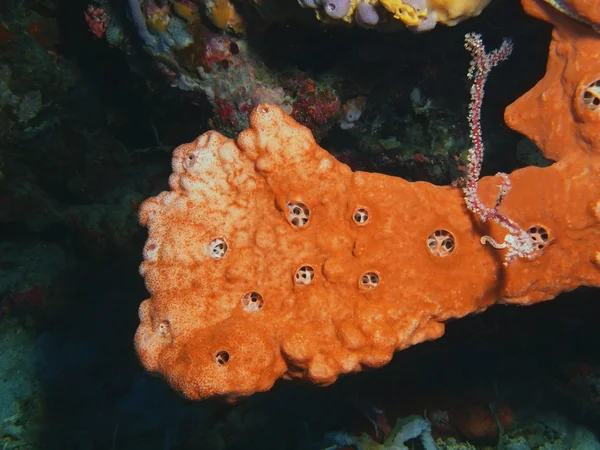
column 451, row 12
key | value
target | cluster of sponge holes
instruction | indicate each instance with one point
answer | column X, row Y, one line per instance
column 298, row 214
column 304, row 275
column 218, row 248
column 441, row 243
column 361, row 216
column 540, row 236
column 591, row 96
column 251, row 302
column 369, row 281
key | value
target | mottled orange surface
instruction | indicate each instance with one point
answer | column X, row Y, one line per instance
column 553, row 113
column 203, row 331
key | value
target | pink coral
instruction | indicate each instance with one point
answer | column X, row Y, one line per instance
column 97, row 21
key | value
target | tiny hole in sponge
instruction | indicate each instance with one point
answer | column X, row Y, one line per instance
column 360, row 216
column 591, row 96
column 369, row 281
column 164, row 327
column 540, row 236
column 218, row 248
column 298, row 214
column 222, row 357
column 304, row 275
column 441, row 243
column 190, row 160
column 252, row 301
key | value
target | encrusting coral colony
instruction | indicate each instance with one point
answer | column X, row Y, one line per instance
column 269, row 259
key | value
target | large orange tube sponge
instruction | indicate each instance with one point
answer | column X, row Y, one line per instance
column 269, row 259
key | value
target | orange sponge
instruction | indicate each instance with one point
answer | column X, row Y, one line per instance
column 269, row 259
